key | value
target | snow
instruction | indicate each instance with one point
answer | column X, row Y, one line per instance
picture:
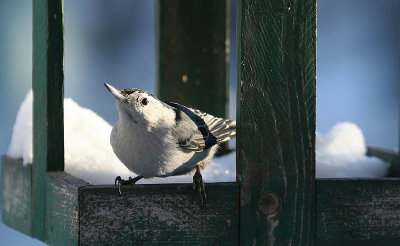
column 88, row 154
column 21, row 140
column 341, row 153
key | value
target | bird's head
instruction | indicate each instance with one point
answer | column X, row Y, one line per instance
column 140, row 107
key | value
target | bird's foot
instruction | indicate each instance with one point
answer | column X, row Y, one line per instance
column 198, row 186
column 130, row 181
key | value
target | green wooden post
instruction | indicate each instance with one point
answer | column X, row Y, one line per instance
column 48, row 78
column 193, row 53
column 276, row 128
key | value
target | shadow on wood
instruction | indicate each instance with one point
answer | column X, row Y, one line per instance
column 78, row 213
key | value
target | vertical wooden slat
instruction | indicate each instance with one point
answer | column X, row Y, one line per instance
column 276, row 131
column 48, row 78
column 192, row 53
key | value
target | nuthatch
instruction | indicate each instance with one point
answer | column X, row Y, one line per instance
column 153, row 138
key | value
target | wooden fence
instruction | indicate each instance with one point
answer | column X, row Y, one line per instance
column 276, row 199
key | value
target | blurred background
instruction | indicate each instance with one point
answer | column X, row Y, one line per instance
column 357, row 65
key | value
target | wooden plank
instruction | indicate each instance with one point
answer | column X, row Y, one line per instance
column 386, row 155
column 358, row 212
column 349, row 212
column 193, row 53
column 16, row 194
column 48, row 77
column 159, row 215
column 276, row 128
column 61, row 202
column 389, row 156
column 62, row 223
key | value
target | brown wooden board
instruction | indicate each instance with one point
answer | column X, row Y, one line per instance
column 192, row 53
column 276, row 128
column 62, row 223
column 159, row 215
column 358, row 212
column 16, row 194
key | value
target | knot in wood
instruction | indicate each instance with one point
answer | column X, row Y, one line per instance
column 268, row 204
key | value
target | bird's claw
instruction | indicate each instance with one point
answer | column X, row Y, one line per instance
column 130, row 181
column 199, row 186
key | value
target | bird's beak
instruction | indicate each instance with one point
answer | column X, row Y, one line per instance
column 117, row 94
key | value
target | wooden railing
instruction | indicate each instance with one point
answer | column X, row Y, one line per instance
column 276, row 199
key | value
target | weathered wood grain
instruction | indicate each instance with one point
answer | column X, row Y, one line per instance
column 276, row 129
column 348, row 212
column 16, row 194
column 358, row 212
column 48, row 78
column 193, row 53
column 159, row 215
column 62, row 223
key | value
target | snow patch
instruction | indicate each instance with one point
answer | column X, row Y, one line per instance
column 341, row 153
column 88, row 153
column 21, row 140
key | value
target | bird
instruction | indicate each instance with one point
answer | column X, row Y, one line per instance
column 153, row 138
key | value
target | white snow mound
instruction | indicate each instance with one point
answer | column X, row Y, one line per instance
column 341, row 154
column 21, row 140
column 88, row 152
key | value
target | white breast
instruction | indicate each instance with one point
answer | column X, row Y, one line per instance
column 153, row 154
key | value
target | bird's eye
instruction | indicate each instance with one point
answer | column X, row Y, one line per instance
column 144, row 101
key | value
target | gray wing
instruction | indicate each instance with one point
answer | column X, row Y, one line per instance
column 197, row 131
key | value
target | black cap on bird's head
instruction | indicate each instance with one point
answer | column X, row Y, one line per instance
column 140, row 106
column 123, row 94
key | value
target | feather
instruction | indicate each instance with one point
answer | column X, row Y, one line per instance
column 210, row 130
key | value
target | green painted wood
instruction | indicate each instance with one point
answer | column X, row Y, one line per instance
column 62, row 205
column 389, row 156
column 163, row 214
column 348, row 211
column 48, row 77
column 61, row 223
column 276, row 128
column 193, row 53
column 358, row 212
column 383, row 154
column 16, row 194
